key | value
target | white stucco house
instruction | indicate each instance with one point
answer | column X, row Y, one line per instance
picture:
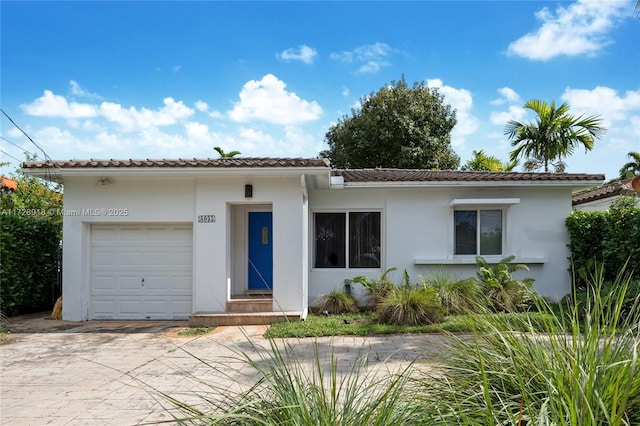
column 173, row 239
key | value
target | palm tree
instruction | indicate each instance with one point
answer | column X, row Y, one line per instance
column 481, row 161
column 226, row 154
column 553, row 136
column 632, row 168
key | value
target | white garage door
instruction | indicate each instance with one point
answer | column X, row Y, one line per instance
column 141, row 271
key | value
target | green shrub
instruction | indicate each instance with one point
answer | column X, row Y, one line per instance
column 338, row 302
column 504, row 292
column 605, row 238
column 29, row 250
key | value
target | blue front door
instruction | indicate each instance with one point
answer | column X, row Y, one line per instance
column 260, row 251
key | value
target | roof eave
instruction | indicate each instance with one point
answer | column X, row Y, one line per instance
column 486, row 183
column 59, row 174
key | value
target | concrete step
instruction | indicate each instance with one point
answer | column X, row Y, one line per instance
column 210, row 319
column 250, row 305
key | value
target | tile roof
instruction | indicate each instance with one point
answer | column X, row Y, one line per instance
column 8, row 185
column 622, row 187
column 180, row 163
column 410, row 175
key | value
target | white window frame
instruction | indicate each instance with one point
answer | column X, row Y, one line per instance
column 346, row 212
column 478, row 205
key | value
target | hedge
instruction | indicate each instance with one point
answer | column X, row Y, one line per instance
column 28, row 264
column 605, row 238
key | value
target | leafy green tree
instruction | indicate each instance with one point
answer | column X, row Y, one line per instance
column 632, row 168
column 223, row 154
column 554, row 135
column 33, row 197
column 483, row 162
column 399, row 127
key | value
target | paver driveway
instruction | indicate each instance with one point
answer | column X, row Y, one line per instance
column 105, row 373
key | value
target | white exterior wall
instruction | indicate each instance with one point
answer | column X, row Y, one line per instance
column 181, row 200
column 418, row 233
column 597, row 205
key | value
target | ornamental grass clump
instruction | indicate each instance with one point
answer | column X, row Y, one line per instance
column 292, row 391
column 582, row 370
column 458, row 297
column 338, row 302
column 410, row 304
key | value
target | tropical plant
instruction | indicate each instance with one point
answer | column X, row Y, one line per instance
column 505, row 293
column 410, row 304
column 398, row 126
column 483, row 162
column 632, row 168
column 337, row 302
column 582, row 370
column 375, row 289
column 555, row 135
column 458, row 297
column 223, row 154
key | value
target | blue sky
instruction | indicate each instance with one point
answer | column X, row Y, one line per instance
column 174, row 79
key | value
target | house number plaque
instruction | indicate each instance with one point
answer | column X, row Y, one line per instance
column 207, row 218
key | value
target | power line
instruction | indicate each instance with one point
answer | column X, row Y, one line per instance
column 9, row 155
column 46, row 157
column 19, row 147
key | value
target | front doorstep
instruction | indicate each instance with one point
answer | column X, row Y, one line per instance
column 210, row 319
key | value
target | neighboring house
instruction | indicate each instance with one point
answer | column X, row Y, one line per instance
column 7, row 186
column 166, row 239
column 601, row 197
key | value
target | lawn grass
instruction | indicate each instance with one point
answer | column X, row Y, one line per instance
column 195, row 331
column 365, row 324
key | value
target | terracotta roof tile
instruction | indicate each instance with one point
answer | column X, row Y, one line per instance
column 622, row 187
column 411, row 175
column 7, row 184
column 180, row 163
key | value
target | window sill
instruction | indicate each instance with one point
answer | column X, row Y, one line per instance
column 472, row 260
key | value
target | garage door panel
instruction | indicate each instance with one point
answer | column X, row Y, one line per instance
column 104, row 258
column 123, row 255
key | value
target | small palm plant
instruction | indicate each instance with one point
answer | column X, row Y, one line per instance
column 505, row 293
column 376, row 289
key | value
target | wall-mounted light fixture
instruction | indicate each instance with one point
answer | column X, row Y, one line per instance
column 104, row 181
column 248, row 191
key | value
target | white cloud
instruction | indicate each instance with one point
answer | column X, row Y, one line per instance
column 371, row 57
column 462, row 101
column 514, row 112
column 51, row 105
column 579, row 29
column 302, row 53
column 604, row 101
column 507, row 95
column 176, row 68
column 267, row 100
column 78, row 91
column 345, row 92
column 132, row 119
column 201, row 106
column 503, row 117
